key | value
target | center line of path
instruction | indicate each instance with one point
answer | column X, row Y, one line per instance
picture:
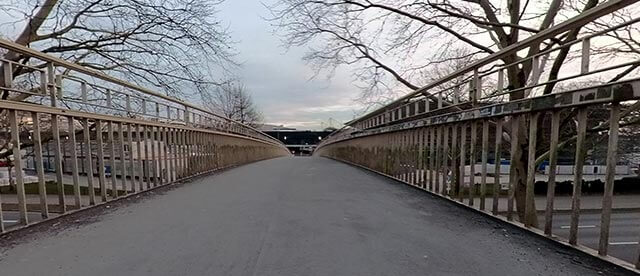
column 579, row 226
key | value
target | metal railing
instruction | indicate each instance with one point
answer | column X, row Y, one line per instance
column 487, row 147
column 72, row 132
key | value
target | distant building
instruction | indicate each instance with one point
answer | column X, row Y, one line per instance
column 299, row 142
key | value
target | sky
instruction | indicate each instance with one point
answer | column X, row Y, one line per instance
column 280, row 82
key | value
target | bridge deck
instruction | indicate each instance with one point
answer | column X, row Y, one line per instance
column 289, row 216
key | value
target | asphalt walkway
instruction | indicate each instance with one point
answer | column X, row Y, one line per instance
column 289, row 216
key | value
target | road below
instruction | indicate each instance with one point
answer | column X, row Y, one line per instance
column 623, row 235
column 292, row 216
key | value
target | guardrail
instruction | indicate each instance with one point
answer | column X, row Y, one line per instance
column 101, row 138
column 435, row 137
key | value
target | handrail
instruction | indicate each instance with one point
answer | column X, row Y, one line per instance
column 20, row 49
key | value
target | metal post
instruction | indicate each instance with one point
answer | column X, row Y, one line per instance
column 17, row 164
column 553, row 161
column 37, row 148
column 101, row 171
column 496, row 173
column 607, row 197
column 531, row 171
column 88, row 161
column 581, row 151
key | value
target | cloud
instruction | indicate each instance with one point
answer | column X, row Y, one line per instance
column 281, row 84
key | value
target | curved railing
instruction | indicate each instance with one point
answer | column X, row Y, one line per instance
column 515, row 153
column 75, row 138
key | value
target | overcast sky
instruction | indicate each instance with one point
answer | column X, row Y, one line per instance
column 279, row 80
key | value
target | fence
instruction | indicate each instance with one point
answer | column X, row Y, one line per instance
column 457, row 145
column 119, row 138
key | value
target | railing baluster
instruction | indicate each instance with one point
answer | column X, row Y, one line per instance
column 472, row 162
column 132, row 161
column 553, row 161
column 112, row 160
column 55, row 132
column 140, row 143
column 455, row 184
column 101, row 169
column 463, row 154
column 88, row 161
column 123, row 158
column 445, row 159
column 607, row 197
column 37, row 148
column 438, row 158
column 154, row 160
column 514, row 153
column 531, row 172
column 581, row 151
column 496, row 173
column 17, row 165
column 483, row 170
column 146, row 164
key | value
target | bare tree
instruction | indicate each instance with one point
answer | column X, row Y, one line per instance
column 394, row 44
column 233, row 101
column 167, row 45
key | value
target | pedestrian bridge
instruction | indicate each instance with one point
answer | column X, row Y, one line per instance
column 108, row 177
column 288, row 216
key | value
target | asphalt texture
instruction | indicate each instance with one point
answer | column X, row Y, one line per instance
column 288, row 216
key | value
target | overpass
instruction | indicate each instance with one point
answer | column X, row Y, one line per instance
column 157, row 185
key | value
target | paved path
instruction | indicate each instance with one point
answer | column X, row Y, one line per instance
column 292, row 216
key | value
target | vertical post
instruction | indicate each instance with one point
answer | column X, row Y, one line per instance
column 172, row 154
column 463, row 154
column 109, row 99
column 165, row 158
column 472, row 162
column 88, row 161
column 17, row 164
column 438, row 154
column 55, row 132
column 123, row 159
column 101, row 172
column 500, row 86
column 132, row 161
column 485, row 153
column 581, row 150
column 147, row 170
column 83, row 91
column 74, row 163
column 140, row 143
column 445, row 160
column 37, row 148
column 8, row 74
column 530, row 212
column 432, row 158
column 584, row 61
column 553, row 161
column 112, row 160
column 612, row 152
column 154, row 159
column 496, row 174
column 513, row 172
column 454, row 162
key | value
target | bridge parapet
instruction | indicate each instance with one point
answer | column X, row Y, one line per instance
column 75, row 132
column 457, row 144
